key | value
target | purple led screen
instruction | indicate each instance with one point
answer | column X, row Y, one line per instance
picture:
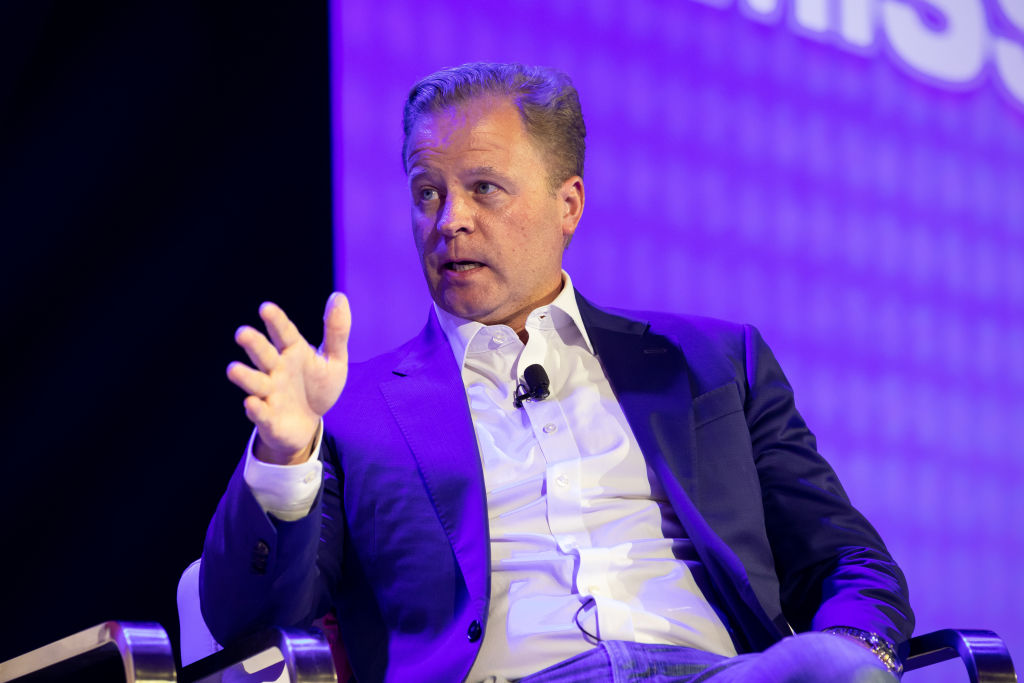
column 846, row 175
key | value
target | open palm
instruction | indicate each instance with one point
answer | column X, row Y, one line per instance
column 292, row 384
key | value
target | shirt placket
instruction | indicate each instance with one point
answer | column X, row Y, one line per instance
column 564, row 484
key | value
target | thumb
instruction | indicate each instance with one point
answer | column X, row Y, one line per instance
column 337, row 323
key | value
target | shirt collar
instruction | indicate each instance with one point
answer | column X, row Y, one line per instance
column 564, row 310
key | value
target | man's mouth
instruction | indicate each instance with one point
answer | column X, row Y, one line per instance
column 462, row 266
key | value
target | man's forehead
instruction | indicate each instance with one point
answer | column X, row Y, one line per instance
column 479, row 126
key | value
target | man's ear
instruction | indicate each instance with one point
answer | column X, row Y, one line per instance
column 571, row 197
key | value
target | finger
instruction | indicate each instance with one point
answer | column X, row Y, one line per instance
column 282, row 330
column 337, row 324
column 248, row 380
column 256, row 409
column 259, row 349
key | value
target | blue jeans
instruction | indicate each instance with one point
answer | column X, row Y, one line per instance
column 803, row 658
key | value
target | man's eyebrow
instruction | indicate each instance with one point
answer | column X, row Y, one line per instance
column 483, row 170
column 489, row 171
column 417, row 171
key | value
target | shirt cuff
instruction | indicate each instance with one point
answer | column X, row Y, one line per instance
column 285, row 491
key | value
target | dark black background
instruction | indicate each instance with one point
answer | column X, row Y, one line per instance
column 164, row 168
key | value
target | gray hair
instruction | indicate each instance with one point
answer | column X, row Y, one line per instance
column 545, row 97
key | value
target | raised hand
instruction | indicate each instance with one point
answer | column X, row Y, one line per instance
column 293, row 384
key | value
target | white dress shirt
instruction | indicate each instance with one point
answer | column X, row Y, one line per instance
column 580, row 529
column 576, row 518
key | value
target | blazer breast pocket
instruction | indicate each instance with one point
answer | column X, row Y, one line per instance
column 715, row 404
column 725, row 460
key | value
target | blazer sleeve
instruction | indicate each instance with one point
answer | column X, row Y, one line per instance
column 833, row 568
column 258, row 571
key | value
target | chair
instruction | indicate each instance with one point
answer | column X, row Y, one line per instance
column 139, row 650
column 273, row 656
column 196, row 640
column 983, row 653
column 276, row 655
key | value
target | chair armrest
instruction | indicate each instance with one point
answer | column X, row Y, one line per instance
column 144, row 648
column 983, row 652
column 305, row 655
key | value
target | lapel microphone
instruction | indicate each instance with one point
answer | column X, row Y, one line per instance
column 534, row 386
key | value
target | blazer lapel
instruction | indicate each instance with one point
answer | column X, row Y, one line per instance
column 428, row 401
column 649, row 375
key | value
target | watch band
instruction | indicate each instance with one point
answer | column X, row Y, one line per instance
column 881, row 647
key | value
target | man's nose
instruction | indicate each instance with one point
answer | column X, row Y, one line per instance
column 456, row 215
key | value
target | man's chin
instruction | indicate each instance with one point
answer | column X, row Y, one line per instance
column 467, row 307
column 461, row 310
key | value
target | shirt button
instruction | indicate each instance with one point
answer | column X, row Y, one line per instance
column 474, row 631
column 549, row 428
column 594, row 589
column 562, row 480
column 308, row 478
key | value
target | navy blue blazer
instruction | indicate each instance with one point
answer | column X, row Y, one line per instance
column 400, row 546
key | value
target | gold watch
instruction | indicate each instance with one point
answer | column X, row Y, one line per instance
column 881, row 647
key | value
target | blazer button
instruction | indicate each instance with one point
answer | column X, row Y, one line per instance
column 260, row 552
column 474, row 631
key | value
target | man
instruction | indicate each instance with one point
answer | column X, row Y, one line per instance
column 662, row 514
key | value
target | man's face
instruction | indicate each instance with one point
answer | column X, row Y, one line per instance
column 489, row 229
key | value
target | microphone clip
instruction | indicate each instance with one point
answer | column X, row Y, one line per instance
column 534, row 386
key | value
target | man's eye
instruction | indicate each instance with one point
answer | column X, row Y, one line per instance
column 486, row 188
column 428, row 194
